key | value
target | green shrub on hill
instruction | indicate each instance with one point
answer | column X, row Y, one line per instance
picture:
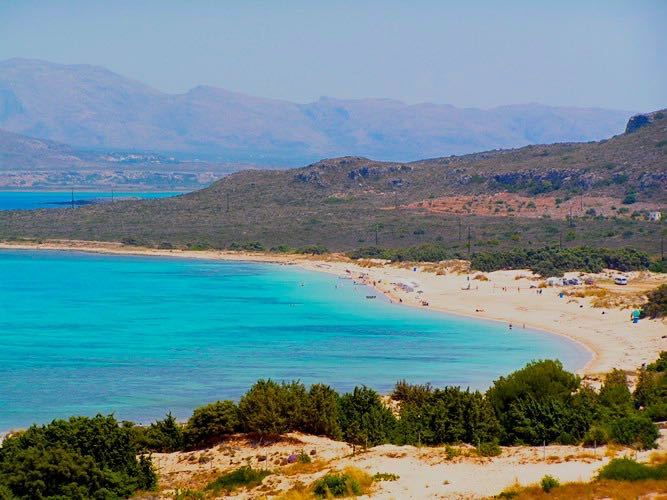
column 656, row 306
column 554, row 261
column 76, row 458
column 365, row 420
column 323, row 412
column 626, row 469
column 162, row 435
column 244, row 476
column 211, row 423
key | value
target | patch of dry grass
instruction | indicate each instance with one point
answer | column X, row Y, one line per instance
column 618, row 490
column 304, row 468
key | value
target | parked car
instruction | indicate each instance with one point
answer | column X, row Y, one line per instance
column 621, row 280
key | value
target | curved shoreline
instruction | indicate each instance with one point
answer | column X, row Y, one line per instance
column 608, row 336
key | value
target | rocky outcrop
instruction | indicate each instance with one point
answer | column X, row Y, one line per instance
column 638, row 121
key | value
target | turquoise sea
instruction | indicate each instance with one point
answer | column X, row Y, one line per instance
column 27, row 200
column 140, row 336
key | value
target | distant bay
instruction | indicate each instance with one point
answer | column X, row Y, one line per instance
column 140, row 336
column 28, row 200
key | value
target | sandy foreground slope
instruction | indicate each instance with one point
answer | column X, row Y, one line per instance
column 422, row 472
column 613, row 340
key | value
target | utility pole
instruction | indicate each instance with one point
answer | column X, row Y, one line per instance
column 570, row 221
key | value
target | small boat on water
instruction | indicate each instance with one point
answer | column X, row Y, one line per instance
column 371, row 296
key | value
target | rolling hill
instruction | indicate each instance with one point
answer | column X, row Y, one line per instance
column 93, row 108
column 582, row 193
column 30, row 163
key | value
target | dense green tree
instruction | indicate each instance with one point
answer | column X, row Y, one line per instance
column 615, row 397
column 211, row 423
column 162, row 435
column 365, row 419
column 269, row 408
column 635, row 430
column 323, row 412
column 76, row 458
column 656, row 306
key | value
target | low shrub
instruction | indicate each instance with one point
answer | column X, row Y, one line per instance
column 626, row 469
column 163, row 436
column 303, row 458
column 244, row 476
column 350, row 482
column 549, row 483
column 488, row 449
column 634, row 430
column 385, row 476
column 656, row 306
column 76, row 458
column 210, row 423
column 597, row 435
column 336, row 486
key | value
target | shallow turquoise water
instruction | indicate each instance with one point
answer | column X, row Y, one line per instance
column 84, row 333
column 27, row 200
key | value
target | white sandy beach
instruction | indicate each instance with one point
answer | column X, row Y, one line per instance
column 613, row 340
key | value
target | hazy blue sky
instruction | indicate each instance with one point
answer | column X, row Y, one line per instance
column 467, row 53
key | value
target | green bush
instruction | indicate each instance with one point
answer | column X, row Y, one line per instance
column 323, row 412
column 597, row 435
column 636, row 430
column 76, row 458
column 554, row 261
column 244, row 476
column 626, row 469
column 303, row 458
column 313, row 250
column 490, row 449
column 411, row 393
column 269, row 408
column 364, row 419
column 615, row 396
column 549, row 483
column 630, row 198
column 656, row 306
column 385, row 476
column 161, row 436
column 211, row 423
column 535, row 403
column 337, row 486
column 660, row 364
column 427, row 252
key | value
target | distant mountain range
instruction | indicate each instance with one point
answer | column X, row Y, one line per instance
column 93, row 108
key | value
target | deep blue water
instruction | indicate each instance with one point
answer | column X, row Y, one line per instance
column 25, row 200
column 138, row 336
